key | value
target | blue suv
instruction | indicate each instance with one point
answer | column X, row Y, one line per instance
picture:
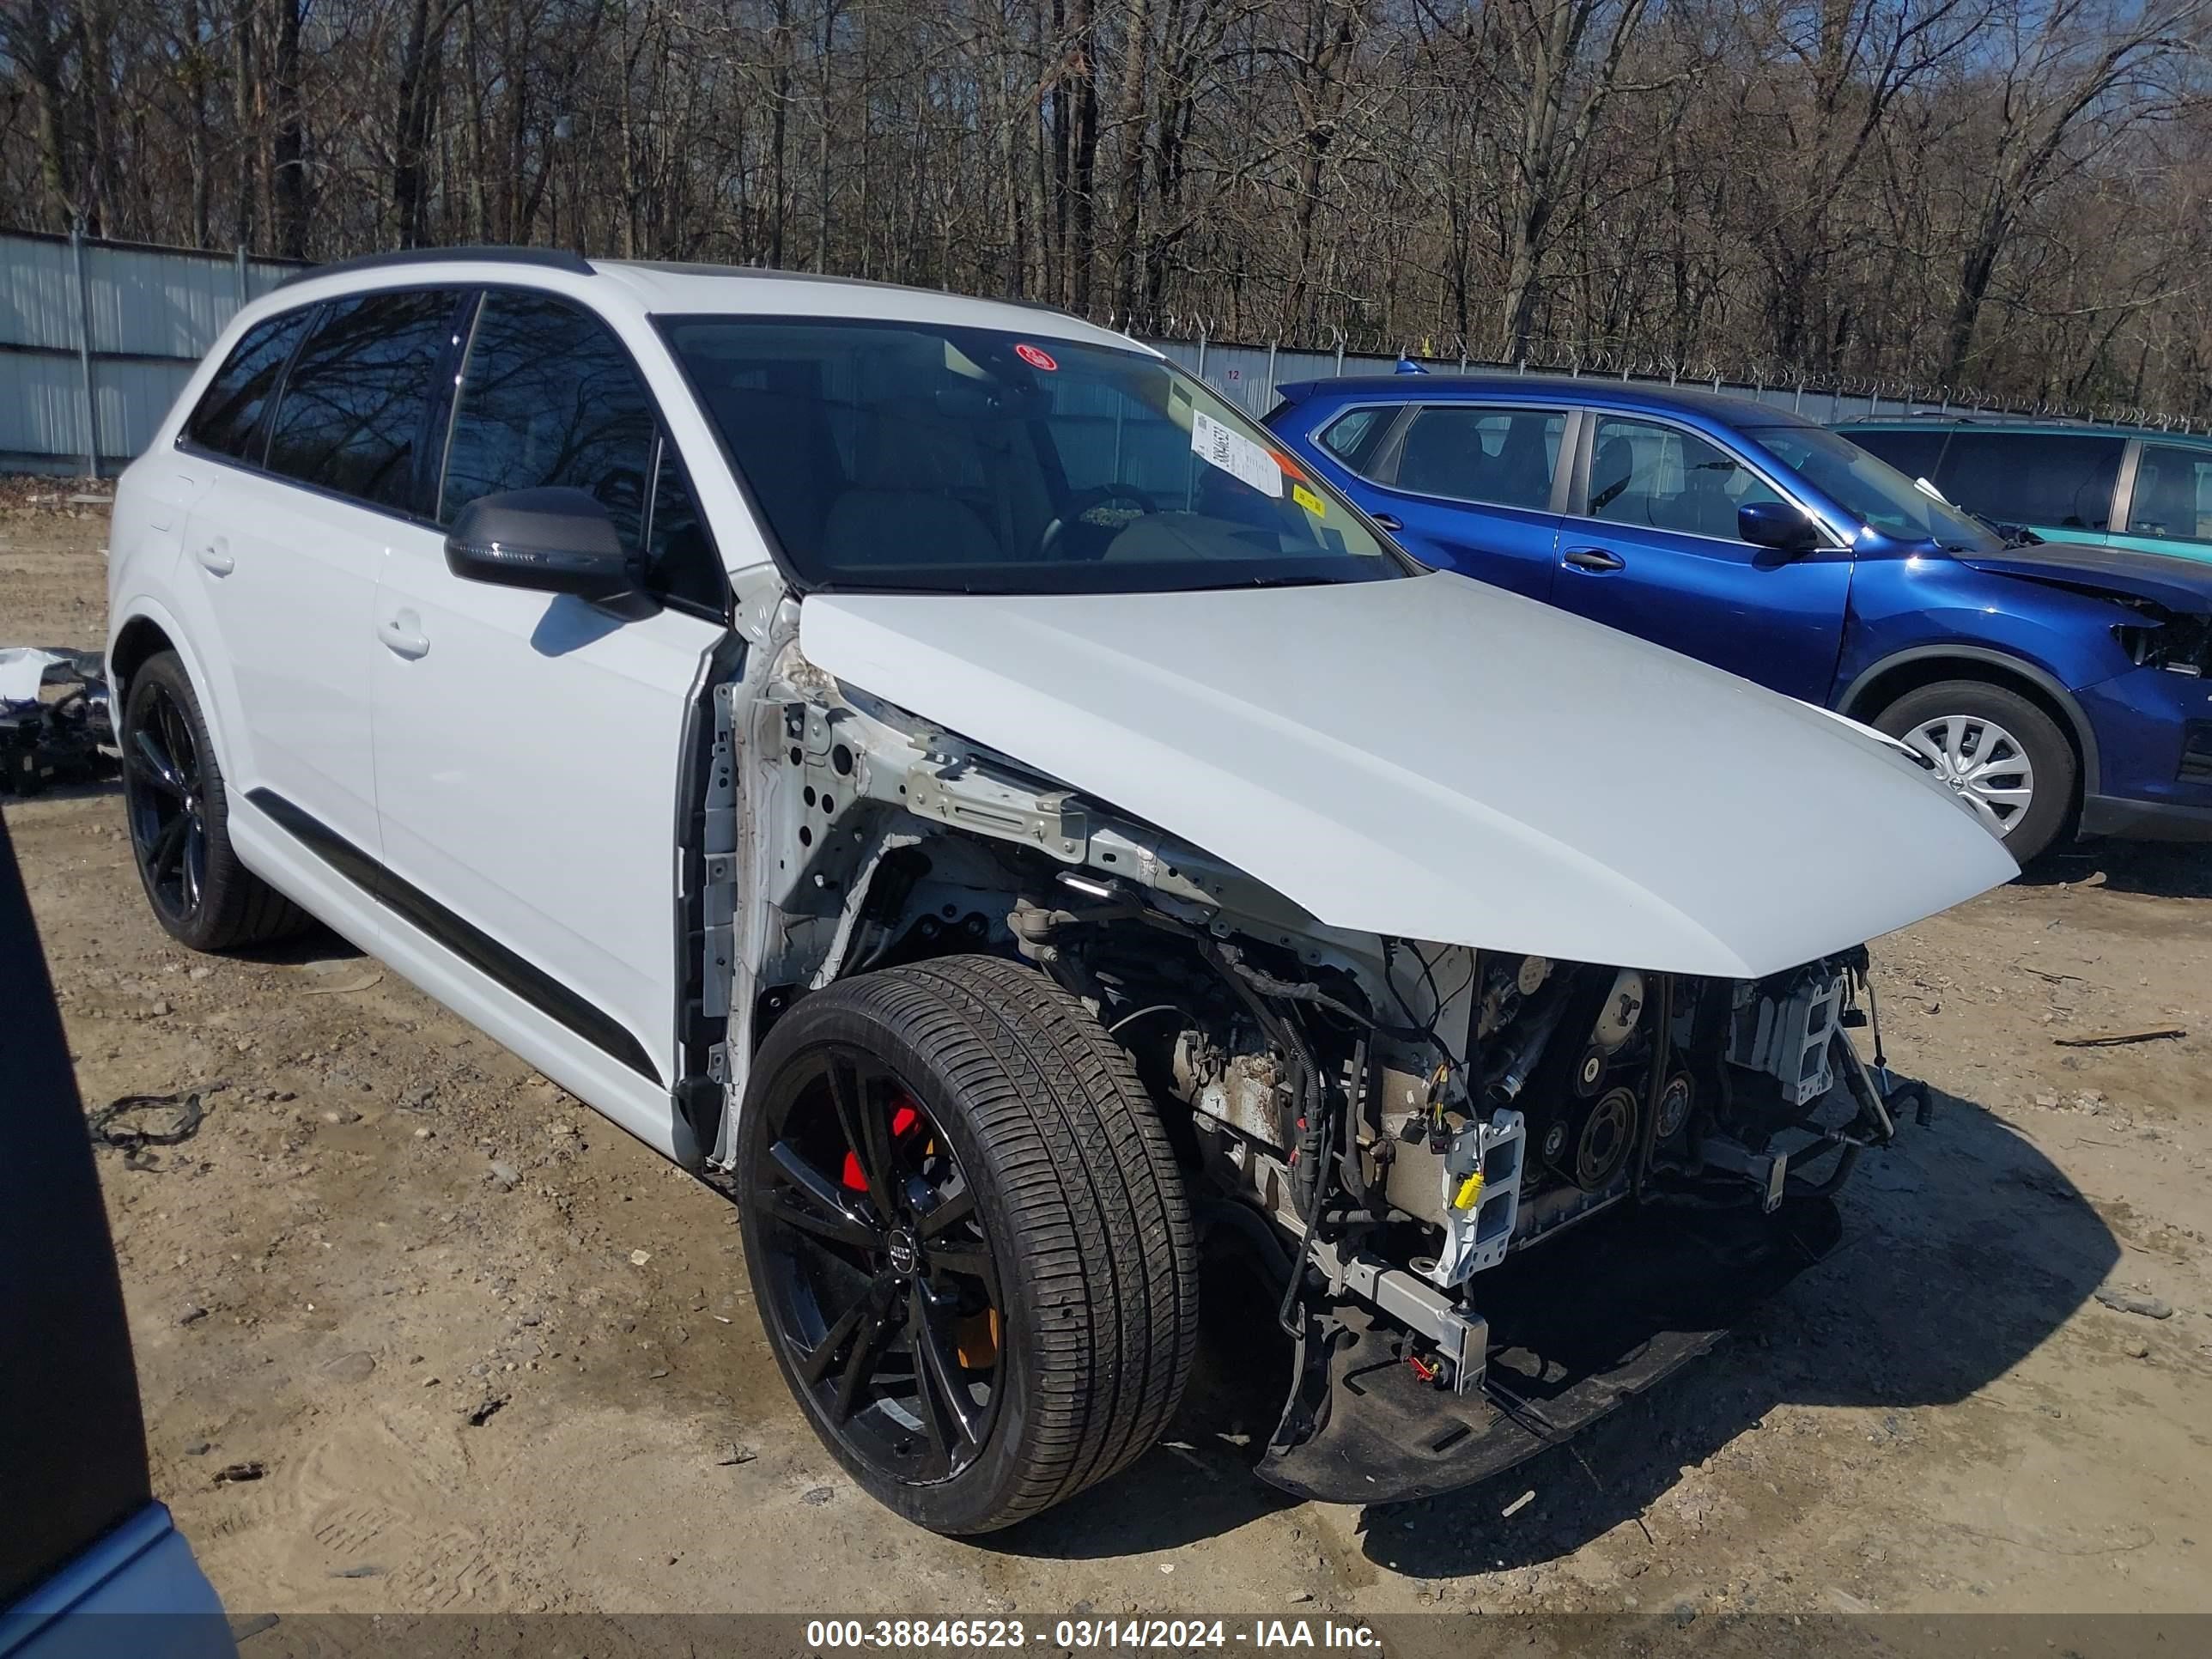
column 2054, row 685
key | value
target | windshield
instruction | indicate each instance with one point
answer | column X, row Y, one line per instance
column 916, row 456
column 1872, row 491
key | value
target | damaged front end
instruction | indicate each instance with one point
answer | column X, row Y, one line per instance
column 1498, row 1248
column 1491, row 1194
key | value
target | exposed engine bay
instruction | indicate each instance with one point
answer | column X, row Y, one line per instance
column 1385, row 1127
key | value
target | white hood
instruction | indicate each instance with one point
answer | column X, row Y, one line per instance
column 1441, row 760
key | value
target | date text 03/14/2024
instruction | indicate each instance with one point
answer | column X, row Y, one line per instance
column 1087, row 1635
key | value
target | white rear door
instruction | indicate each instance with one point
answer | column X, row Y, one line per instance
column 284, row 551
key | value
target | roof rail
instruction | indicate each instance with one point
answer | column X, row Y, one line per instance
column 548, row 259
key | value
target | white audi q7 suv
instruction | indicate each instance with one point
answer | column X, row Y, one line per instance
column 950, row 779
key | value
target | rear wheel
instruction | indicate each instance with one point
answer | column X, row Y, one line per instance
column 173, row 796
column 2002, row 755
column 967, row 1239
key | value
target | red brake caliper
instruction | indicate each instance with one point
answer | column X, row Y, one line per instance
column 906, row 1120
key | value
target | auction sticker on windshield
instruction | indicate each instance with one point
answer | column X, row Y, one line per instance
column 1234, row 453
column 1034, row 357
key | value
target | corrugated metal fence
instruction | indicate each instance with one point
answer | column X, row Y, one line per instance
column 97, row 338
column 1250, row 374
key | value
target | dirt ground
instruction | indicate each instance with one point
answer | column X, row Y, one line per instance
column 490, row 1354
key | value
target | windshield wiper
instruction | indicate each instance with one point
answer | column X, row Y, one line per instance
column 2012, row 535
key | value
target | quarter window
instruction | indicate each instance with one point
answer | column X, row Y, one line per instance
column 548, row 397
column 228, row 417
column 2061, row 479
column 1351, row 435
column 2173, row 494
column 354, row 405
column 1661, row 477
column 1501, row 457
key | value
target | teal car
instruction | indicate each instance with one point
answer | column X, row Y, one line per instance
column 2115, row 486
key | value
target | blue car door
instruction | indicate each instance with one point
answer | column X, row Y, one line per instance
column 1650, row 547
column 1467, row 487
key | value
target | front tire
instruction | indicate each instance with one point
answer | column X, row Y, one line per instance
column 2004, row 755
column 179, row 817
column 967, row 1239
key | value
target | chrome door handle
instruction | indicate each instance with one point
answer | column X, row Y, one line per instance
column 1593, row 559
column 215, row 557
column 402, row 635
column 1387, row 521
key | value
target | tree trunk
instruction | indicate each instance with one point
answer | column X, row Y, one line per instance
column 1129, row 194
column 289, row 170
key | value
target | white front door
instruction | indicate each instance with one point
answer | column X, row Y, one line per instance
column 529, row 748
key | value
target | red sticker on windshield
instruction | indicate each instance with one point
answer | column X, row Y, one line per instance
column 1035, row 358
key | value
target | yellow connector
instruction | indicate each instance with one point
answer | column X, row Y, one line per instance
column 1469, row 1190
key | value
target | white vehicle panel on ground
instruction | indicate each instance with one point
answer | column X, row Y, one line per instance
column 1438, row 759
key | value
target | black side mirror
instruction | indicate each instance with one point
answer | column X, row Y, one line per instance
column 1777, row 525
column 552, row 540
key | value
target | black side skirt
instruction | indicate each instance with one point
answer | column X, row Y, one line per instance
column 464, row 938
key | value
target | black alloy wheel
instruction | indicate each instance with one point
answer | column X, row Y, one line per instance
column 165, row 792
column 177, row 808
column 882, row 1285
column 968, row 1238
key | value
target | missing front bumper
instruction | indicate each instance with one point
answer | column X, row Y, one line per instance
column 1574, row 1329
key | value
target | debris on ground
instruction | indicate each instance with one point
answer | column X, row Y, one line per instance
column 356, row 1367
column 361, row 983
column 232, row 1474
column 2137, row 1301
column 732, row 1452
column 484, row 1410
column 69, row 739
column 2121, row 1039
column 116, row 1126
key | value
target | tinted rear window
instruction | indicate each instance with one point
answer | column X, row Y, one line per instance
column 1505, row 457
column 228, row 417
column 2055, row 479
column 1915, row 454
column 354, row 403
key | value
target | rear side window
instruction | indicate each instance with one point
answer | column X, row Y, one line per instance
column 548, row 397
column 357, row 397
column 2173, row 494
column 2059, row 479
column 1915, row 454
column 1502, row 457
column 228, row 417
